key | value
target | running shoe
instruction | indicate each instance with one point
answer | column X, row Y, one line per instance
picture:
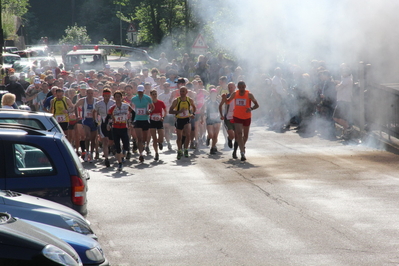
column 235, row 155
column 97, row 155
column 179, row 154
column 120, row 166
column 147, row 150
column 83, row 155
column 107, row 164
column 156, row 158
column 169, row 146
column 160, row 145
column 243, row 158
column 230, row 143
column 86, row 158
column 212, row 151
column 141, row 158
column 186, row 153
column 128, row 155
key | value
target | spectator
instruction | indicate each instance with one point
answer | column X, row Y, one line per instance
column 8, row 101
column 202, row 69
column 163, row 63
column 16, row 88
column 343, row 110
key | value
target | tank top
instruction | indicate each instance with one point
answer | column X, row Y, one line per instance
column 58, row 107
column 183, row 104
column 241, row 104
column 87, row 110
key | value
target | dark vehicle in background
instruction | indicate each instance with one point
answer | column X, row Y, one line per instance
column 44, row 211
column 25, row 244
column 42, row 164
column 89, row 250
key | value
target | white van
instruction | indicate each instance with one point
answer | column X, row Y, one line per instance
column 86, row 59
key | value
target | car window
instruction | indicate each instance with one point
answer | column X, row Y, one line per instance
column 29, row 122
column 31, row 160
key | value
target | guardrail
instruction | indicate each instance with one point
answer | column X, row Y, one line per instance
column 376, row 104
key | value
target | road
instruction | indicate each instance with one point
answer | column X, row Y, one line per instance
column 296, row 201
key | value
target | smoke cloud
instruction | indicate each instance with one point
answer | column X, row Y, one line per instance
column 262, row 32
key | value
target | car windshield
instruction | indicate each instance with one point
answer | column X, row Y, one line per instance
column 10, row 59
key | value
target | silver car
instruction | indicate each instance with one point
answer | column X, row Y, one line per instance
column 44, row 211
column 39, row 120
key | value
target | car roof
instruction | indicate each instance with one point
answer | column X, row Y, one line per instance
column 19, row 112
column 87, row 52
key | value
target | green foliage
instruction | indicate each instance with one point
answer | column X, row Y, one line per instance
column 75, row 35
column 15, row 7
column 10, row 9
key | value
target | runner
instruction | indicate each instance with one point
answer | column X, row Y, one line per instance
column 184, row 109
column 212, row 119
column 227, row 116
column 60, row 106
column 118, row 120
column 156, row 123
column 89, row 125
column 143, row 107
column 101, row 109
column 169, row 119
column 242, row 114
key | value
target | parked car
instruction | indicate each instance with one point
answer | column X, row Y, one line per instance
column 10, row 59
column 39, row 120
column 88, row 249
column 44, row 211
column 25, row 244
column 10, row 49
column 42, row 164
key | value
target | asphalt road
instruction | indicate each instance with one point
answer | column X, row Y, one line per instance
column 296, row 201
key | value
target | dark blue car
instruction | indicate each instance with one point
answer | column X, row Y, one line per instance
column 42, row 164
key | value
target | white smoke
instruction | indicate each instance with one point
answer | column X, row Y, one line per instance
column 336, row 31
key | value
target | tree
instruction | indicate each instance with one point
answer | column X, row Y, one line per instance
column 75, row 35
column 10, row 9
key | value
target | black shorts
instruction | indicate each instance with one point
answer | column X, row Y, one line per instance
column 64, row 125
column 181, row 122
column 156, row 124
column 104, row 133
column 143, row 124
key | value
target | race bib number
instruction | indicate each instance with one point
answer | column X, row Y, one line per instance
column 156, row 117
column 184, row 113
column 214, row 116
column 141, row 111
column 60, row 118
column 89, row 114
column 120, row 118
column 241, row 102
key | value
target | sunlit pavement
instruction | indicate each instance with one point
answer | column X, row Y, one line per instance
column 296, row 201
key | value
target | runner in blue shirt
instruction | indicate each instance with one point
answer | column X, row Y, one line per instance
column 143, row 106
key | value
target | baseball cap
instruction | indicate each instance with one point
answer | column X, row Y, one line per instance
column 181, row 80
column 37, row 81
column 213, row 90
column 83, row 86
column 140, row 88
column 107, row 66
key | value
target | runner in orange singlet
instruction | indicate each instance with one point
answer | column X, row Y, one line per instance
column 242, row 114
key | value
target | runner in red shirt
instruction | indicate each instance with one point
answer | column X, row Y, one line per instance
column 156, row 123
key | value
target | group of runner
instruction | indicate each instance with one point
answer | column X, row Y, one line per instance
column 110, row 111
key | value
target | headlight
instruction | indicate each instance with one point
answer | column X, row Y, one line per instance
column 77, row 225
column 95, row 254
column 58, row 255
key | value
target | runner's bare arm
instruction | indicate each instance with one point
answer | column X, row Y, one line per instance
column 256, row 105
column 221, row 108
column 172, row 107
